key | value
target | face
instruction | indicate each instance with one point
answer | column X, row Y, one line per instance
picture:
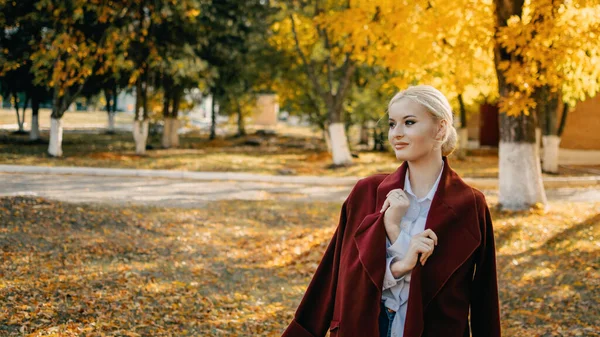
column 413, row 131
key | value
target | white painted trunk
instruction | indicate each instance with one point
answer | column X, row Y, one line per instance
column 174, row 132
column 339, row 144
column 56, row 132
column 140, row 135
column 111, row 122
column 520, row 177
column 463, row 138
column 550, row 153
column 166, row 133
column 34, row 134
column 327, row 140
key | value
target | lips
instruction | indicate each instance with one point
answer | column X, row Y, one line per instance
column 400, row 145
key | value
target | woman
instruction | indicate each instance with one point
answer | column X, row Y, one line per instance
column 414, row 250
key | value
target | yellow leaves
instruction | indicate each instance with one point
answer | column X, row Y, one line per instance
column 168, row 272
column 192, row 13
column 78, row 13
column 547, row 47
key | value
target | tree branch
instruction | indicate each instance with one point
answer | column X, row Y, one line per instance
column 348, row 71
column 309, row 69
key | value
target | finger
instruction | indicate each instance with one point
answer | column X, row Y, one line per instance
column 432, row 235
column 426, row 256
column 423, row 258
column 385, row 206
column 422, row 242
column 392, row 191
column 429, row 255
column 422, row 248
column 429, row 242
column 426, row 240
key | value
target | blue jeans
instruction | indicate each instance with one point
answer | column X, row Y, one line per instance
column 385, row 321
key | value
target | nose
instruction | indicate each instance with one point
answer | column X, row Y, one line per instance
column 396, row 132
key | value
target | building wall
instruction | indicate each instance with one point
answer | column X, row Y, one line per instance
column 267, row 110
column 582, row 131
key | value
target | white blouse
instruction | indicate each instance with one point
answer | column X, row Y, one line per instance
column 395, row 290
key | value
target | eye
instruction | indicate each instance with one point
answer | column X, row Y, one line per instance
column 391, row 124
column 409, row 121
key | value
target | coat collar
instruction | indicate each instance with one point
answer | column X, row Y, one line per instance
column 458, row 236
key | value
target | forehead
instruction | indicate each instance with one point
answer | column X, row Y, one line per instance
column 406, row 106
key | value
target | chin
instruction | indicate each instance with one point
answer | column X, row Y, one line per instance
column 402, row 156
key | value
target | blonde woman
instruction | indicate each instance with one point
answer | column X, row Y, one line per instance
column 414, row 251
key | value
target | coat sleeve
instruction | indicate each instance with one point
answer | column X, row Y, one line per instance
column 485, row 307
column 314, row 314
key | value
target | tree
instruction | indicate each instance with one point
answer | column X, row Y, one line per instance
column 562, row 41
column 446, row 44
column 237, row 52
column 539, row 47
column 178, row 37
column 15, row 77
column 80, row 39
column 326, row 61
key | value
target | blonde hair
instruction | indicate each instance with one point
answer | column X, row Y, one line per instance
column 439, row 107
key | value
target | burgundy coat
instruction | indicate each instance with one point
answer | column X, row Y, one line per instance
column 345, row 292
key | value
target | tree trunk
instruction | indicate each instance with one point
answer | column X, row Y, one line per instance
column 520, row 174
column 337, row 133
column 140, row 135
column 538, row 139
column 547, row 103
column 364, row 134
column 166, row 132
column 140, row 124
column 563, row 119
column 339, row 144
column 240, row 122
column 378, row 140
column 20, row 116
column 175, row 121
column 59, row 106
column 34, row 134
column 110, row 111
column 213, row 118
column 327, row 139
column 111, row 122
column 463, row 132
column 56, row 133
column 174, row 132
column 551, row 152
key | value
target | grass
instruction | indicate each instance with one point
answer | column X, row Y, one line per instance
column 303, row 155
column 240, row 268
column 294, row 150
column 70, row 119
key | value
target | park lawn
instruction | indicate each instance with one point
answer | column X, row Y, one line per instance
column 240, row 268
column 303, row 155
column 294, row 150
column 72, row 119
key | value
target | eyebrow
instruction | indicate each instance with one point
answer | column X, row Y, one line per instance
column 405, row 117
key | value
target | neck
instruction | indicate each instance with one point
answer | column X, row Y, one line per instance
column 424, row 173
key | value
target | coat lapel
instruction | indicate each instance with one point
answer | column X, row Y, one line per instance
column 451, row 217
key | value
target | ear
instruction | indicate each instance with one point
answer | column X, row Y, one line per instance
column 441, row 129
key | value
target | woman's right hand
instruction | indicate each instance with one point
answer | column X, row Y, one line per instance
column 421, row 244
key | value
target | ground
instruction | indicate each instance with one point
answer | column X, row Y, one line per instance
column 240, row 267
column 283, row 154
column 294, row 150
